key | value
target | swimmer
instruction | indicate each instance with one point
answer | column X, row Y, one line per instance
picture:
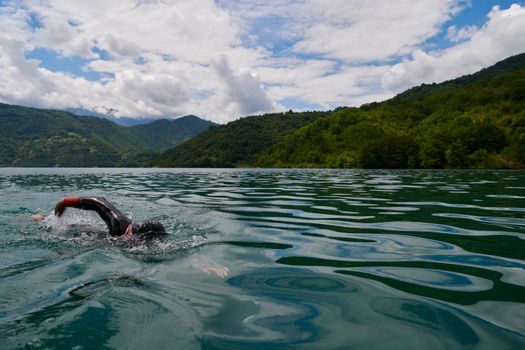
column 118, row 224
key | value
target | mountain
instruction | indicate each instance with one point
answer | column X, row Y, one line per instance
column 475, row 121
column 126, row 121
column 503, row 67
column 237, row 143
column 38, row 137
column 163, row 134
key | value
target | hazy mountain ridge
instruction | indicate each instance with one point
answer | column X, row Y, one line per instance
column 124, row 121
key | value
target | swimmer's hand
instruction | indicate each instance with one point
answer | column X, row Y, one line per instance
column 207, row 265
column 59, row 209
column 38, row 218
column 221, row 271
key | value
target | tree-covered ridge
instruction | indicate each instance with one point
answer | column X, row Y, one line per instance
column 236, row 144
column 476, row 121
column 503, row 67
column 37, row 137
column 164, row 134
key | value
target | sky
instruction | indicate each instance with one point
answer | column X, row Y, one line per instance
column 226, row 59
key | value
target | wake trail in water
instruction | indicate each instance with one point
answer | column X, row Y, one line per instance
column 83, row 229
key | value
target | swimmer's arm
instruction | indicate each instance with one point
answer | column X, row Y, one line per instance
column 67, row 202
column 220, row 271
column 208, row 266
column 86, row 203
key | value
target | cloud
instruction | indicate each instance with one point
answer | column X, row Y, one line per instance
column 323, row 83
column 465, row 33
column 224, row 59
column 336, row 36
column 501, row 37
column 155, row 56
column 355, row 30
column 58, row 34
column 244, row 89
column 373, row 30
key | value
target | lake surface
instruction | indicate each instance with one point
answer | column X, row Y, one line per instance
column 266, row 259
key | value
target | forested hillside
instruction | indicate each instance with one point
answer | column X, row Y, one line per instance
column 238, row 143
column 164, row 134
column 476, row 121
column 37, row 137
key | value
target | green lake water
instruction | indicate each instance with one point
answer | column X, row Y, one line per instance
column 266, row 259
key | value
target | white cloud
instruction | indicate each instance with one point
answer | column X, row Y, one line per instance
column 355, row 30
column 322, row 83
column 372, row 30
column 243, row 89
column 160, row 55
column 59, row 35
column 465, row 33
column 224, row 59
column 501, row 37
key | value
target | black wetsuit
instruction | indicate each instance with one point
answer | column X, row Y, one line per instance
column 116, row 221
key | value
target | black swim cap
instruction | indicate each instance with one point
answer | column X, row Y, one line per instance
column 148, row 229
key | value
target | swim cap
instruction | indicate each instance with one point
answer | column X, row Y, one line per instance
column 148, row 228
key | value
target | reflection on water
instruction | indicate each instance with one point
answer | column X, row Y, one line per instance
column 317, row 259
column 427, row 317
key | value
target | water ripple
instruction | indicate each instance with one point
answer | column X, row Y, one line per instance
column 271, row 258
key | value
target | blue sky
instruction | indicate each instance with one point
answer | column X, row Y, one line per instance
column 225, row 59
column 473, row 15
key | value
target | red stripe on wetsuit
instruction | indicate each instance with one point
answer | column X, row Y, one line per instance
column 72, row 202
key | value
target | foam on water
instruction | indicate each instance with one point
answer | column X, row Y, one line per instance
column 79, row 228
